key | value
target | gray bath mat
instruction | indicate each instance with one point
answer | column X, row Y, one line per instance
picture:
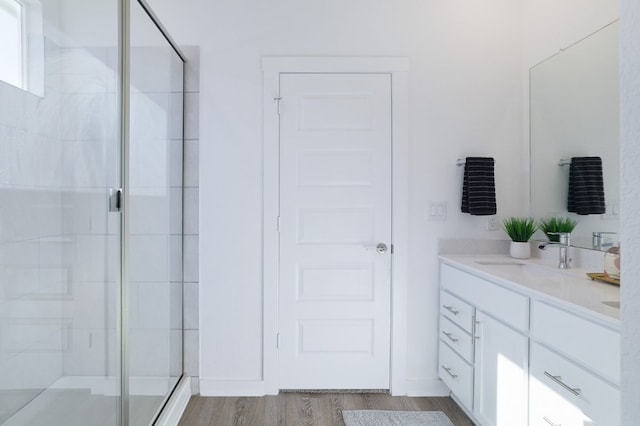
column 395, row 418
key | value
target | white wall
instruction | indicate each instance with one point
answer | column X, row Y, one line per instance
column 466, row 99
column 630, row 156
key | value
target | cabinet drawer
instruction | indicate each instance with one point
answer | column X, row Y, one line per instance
column 459, row 340
column 457, row 311
column 456, row 374
column 590, row 343
column 567, row 394
column 505, row 305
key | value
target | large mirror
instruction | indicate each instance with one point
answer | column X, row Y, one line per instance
column 574, row 111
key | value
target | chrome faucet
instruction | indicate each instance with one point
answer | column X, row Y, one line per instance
column 563, row 245
column 598, row 239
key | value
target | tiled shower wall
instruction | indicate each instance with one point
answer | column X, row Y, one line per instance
column 191, row 216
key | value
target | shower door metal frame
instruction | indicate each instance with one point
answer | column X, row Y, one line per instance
column 124, row 47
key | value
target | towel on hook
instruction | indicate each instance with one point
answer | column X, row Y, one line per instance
column 586, row 186
column 479, row 187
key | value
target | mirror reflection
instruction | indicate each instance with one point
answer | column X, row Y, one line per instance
column 574, row 112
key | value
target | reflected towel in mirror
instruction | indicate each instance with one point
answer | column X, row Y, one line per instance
column 586, row 186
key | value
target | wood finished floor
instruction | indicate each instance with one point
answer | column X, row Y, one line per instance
column 306, row 409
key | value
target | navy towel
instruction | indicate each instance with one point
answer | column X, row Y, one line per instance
column 586, row 186
column 479, row 187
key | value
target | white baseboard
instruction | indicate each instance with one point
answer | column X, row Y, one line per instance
column 210, row 387
column 176, row 405
column 426, row 387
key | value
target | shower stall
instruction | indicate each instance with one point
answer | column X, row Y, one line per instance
column 91, row 147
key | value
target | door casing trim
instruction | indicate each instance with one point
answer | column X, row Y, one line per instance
column 398, row 68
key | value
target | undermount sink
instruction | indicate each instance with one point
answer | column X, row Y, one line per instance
column 499, row 262
column 613, row 304
column 521, row 267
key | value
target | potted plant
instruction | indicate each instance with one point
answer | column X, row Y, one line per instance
column 553, row 225
column 520, row 230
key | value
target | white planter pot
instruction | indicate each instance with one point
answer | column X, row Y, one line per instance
column 519, row 250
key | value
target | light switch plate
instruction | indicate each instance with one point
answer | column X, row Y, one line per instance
column 438, row 210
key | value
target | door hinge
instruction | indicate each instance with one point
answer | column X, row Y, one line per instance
column 391, row 248
column 115, row 199
column 278, row 224
column 277, row 99
column 277, row 340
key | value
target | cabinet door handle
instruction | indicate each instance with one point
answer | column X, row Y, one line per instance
column 448, row 370
column 546, row 419
column 450, row 309
column 558, row 380
column 450, row 336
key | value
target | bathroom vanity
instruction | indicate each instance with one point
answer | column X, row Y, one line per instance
column 522, row 342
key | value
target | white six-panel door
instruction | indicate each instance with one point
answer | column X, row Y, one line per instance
column 335, row 219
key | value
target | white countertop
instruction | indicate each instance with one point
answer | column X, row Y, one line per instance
column 536, row 278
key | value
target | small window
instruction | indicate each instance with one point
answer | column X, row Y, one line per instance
column 22, row 45
column 13, row 47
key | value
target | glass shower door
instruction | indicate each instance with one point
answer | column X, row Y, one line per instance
column 59, row 245
column 155, row 213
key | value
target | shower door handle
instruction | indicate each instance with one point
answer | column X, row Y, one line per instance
column 115, row 199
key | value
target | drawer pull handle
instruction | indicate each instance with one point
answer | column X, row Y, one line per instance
column 450, row 336
column 558, row 380
column 450, row 309
column 546, row 419
column 448, row 370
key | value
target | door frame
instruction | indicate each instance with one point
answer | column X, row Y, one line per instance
column 398, row 68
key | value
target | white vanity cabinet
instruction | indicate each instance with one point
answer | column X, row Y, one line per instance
column 575, row 369
column 500, row 373
column 512, row 355
column 483, row 353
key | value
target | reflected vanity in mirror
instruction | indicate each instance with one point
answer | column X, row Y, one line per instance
column 574, row 112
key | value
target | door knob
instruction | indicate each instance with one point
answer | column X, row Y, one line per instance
column 380, row 248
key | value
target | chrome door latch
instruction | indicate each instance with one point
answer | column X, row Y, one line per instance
column 115, row 199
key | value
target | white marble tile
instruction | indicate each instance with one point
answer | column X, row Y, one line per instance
column 85, row 211
column 97, row 117
column 175, row 353
column 191, row 258
column 151, row 68
column 89, row 352
column 191, row 211
column 175, row 162
column 191, row 352
column 153, row 305
column 192, row 116
column 191, row 308
column 31, row 370
column 175, row 210
column 149, row 164
column 176, row 306
column 149, row 353
column 192, row 69
column 149, row 258
column 175, row 258
column 191, row 163
column 95, row 258
column 91, row 305
column 89, row 164
column 149, row 116
column 84, row 70
column 30, row 213
column 149, row 214
column 175, row 115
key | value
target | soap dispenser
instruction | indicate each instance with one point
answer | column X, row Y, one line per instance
column 612, row 262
